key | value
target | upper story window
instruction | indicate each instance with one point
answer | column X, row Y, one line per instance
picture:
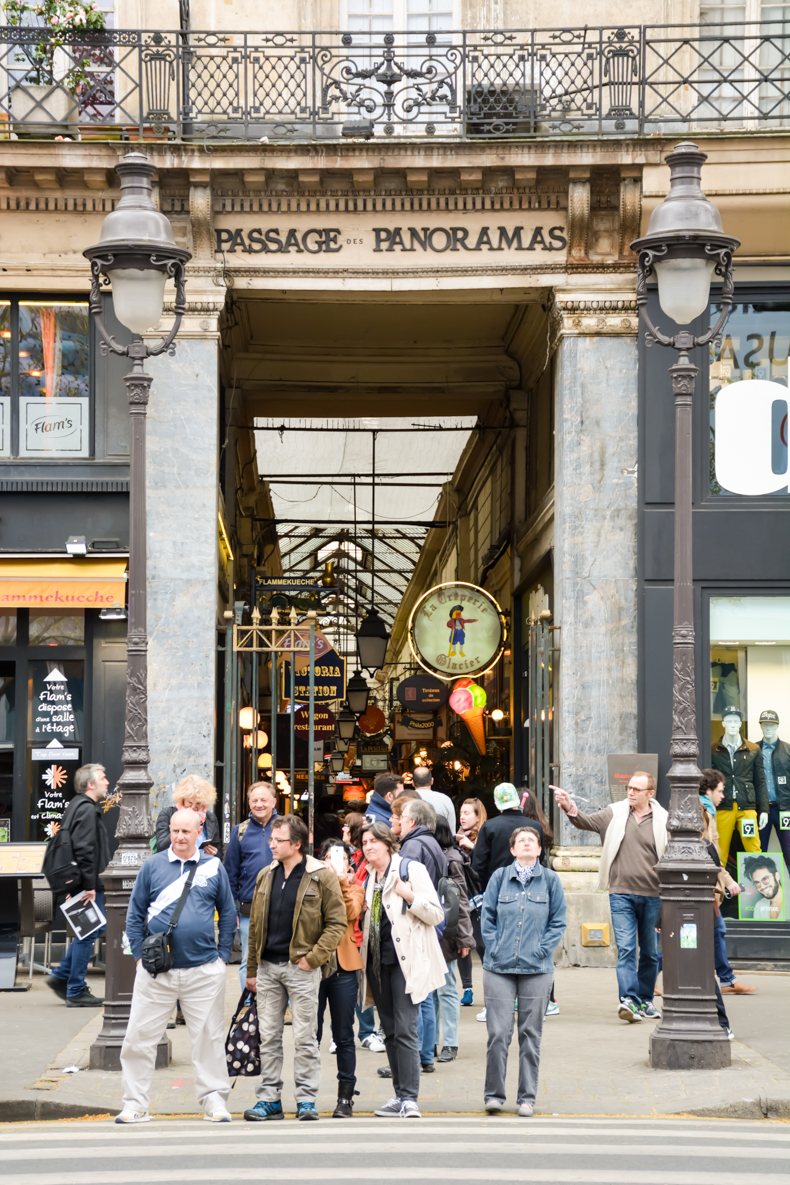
column 45, row 379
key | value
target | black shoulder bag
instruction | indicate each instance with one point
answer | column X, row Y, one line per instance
column 157, row 954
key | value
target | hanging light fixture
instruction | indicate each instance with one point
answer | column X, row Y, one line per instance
column 341, row 745
column 372, row 635
column 357, row 693
column 337, row 761
column 248, row 718
column 346, row 723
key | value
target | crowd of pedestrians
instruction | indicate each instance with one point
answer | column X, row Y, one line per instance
column 375, row 931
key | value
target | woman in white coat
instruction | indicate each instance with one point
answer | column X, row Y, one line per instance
column 401, row 959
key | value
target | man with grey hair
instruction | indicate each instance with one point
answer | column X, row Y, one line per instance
column 91, row 845
column 422, row 780
column 417, row 842
column 186, row 880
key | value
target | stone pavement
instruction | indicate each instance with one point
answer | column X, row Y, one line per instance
column 591, row 1063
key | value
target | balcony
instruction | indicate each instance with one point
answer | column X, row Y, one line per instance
column 473, row 85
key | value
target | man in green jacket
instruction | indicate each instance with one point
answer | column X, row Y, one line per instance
column 297, row 920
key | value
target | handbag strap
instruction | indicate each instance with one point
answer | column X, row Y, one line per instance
column 182, row 899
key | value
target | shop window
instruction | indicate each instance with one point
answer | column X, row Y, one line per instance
column 56, row 629
column 7, row 703
column 7, row 627
column 45, row 377
column 754, row 346
column 749, row 660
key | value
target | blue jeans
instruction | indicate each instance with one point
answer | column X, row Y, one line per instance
column 723, row 969
column 634, row 921
column 449, row 1007
column 74, row 964
column 244, row 935
column 426, row 1030
column 367, row 1022
column 340, row 992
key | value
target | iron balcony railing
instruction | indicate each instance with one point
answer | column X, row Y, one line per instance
column 132, row 84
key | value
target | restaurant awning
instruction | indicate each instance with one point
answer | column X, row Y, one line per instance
column 60, row 585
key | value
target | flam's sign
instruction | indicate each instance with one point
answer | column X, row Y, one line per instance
column 401, row 240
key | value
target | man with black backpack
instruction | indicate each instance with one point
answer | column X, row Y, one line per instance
column 82, row 828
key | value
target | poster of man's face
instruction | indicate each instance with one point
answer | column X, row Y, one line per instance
column 764, row 887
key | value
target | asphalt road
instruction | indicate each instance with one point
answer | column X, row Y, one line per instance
column 437, row 1149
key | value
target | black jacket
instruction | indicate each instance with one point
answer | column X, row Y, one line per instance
column 89, row 839
column 211, row 827
column 492, row 849
column 744, row 777
column 465, row 936
column 421, row 844
column 781, row 764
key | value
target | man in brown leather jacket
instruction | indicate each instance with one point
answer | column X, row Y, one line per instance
column 297, row 920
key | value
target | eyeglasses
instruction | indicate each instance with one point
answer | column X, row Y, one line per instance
column 638, row 789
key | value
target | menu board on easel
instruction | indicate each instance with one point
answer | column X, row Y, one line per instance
column 56, row 746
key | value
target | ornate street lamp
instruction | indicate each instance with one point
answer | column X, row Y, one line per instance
column 346, row 723
column 136, row 255
column 357, row 693
column 372, row 640
column 685, row 246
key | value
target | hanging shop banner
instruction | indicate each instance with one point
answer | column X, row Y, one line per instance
column 457, row 629
column 422, row 693
column 330, row 679
column 323, row 722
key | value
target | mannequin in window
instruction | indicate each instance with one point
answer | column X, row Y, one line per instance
column 775, row 756
column 745, row 791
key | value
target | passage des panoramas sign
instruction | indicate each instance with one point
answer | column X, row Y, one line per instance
column 457, row 629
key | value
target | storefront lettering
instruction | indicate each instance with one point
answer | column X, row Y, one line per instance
column 400, row 239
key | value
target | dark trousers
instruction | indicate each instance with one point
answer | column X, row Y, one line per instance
column 398, row 1018
column 465, row 964
column 340, row 992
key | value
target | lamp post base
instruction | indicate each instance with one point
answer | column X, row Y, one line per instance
column 106, row 1054
column 671, row 1051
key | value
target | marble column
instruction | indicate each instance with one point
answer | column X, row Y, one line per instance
column 595, row 574
column 182, row 484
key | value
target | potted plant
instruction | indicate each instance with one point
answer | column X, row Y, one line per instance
column 49, row 59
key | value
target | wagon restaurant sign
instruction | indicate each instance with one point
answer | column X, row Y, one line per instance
column 453, row 237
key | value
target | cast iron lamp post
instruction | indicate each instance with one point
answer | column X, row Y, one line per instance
column 136, row 254
column 683, row 248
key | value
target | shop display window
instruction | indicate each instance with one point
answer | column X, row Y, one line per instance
column 56, row 629
column 749, row 660
column 45, row 377
column 7, row 627
column 754, row 345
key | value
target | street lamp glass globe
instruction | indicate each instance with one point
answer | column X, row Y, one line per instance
column 684, row 286
column 138, row 297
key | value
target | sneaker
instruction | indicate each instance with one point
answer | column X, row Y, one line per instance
column 410, row 1110
column 384, row 1072
column 467, row 998
column 729, row 1033
column 333, row 1047
column 649, row 1011
column 218, row 1115
column 448, row 1053
column 525, row 1110
column 57, row 984
column 85, row 999
column 373, row 1043
column 129, row 1116
column 628, row 1011
column 306, row 1110
column 481, row 1016
column 494, row 1106
column 552, row 1008
column 390, row 1110
column 264, row 1109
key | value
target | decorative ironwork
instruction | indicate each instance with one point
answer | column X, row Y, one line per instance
column 487, row 84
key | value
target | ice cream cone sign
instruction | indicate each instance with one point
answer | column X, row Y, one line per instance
column 468, row 700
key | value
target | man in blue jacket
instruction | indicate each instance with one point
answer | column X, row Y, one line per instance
column 196, row 979
column 249, row 851
column 386, row 789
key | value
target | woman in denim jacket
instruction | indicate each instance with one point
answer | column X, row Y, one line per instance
column 523, row 920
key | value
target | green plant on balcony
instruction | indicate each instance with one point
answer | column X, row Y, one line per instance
column 54, row 56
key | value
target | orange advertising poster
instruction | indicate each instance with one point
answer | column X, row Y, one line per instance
column 61, row 585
